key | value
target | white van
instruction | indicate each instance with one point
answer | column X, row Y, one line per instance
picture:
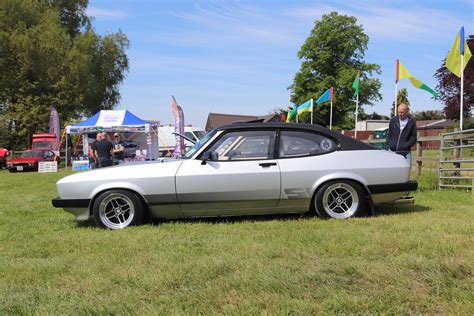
column 167, row 140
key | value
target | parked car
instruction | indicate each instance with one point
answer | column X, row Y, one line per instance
column 244, row 169
column 29, row 160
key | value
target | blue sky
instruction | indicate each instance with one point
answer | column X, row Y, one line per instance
column 239, row 57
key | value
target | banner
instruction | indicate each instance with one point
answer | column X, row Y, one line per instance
column 178, row 128
column 54, row 126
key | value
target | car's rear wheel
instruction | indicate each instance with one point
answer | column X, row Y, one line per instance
column 339, row 199
column 117, row 209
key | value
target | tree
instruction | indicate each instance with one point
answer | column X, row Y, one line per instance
column 449, row 88
column 50, row 56
column 402, row 97
column 331, row 56
column 428, row 115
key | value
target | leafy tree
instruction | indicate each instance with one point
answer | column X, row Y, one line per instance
column 49, row 56
column 331, row 56
column 402, row 97
column 449, row 88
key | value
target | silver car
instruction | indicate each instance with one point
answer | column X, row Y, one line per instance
column 244, row 169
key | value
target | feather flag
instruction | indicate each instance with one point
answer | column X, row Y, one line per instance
column 178, row 115
column 460, row 47
column 402, row 72
column 54, row 127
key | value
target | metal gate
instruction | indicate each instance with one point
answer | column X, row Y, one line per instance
column 456, row 160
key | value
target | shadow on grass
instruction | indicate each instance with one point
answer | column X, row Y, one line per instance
column 396, row 209
column 234, row 219
column 380, row 210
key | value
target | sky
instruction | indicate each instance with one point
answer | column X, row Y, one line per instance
column 239, row 57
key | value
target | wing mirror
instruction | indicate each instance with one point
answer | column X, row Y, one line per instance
column 209, row 155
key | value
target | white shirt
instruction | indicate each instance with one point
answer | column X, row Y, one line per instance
column 403, row 123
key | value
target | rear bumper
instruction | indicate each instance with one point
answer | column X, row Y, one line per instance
column 70, row 203
column 393, row 187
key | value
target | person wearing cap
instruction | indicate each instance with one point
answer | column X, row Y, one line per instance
column 118, row 150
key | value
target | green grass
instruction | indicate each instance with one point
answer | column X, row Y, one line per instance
column 408, row 259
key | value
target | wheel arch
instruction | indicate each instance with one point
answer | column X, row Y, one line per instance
column 343, row 176
column 119, row 186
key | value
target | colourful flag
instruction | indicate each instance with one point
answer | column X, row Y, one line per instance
column 460, row 47
column 54, row 127
column 327, row 96
column 305, row 107
column 291, row 114
column 178, row 128
column 402, row 72
column 355, row 85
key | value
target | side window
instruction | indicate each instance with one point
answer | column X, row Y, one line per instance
column 244, row 145
column 190, row 135
column 298, row 144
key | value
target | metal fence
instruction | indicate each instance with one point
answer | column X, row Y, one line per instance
column 456, row 160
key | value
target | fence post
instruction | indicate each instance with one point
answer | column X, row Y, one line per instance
column 419, row 154
column 457, row 153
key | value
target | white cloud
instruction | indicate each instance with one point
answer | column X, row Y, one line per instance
column 106, row 14
column 409, row 23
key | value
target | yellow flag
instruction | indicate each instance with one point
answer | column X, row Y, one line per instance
column 453, row 61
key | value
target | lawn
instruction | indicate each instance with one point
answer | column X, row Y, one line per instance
column 409, row 259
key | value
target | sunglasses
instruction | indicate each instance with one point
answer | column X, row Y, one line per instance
column 116, row 136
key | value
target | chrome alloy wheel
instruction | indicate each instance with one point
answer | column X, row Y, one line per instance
column 116, row 211
column 340, row 200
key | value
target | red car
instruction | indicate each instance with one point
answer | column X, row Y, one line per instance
column 29, row 160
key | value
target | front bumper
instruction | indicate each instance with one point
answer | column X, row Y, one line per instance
column 78, row 207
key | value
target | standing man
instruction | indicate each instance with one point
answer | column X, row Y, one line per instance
column 401, row 134
column 104, row 151
column 93, row 159
column 118, row 149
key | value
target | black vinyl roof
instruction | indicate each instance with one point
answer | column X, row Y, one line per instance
column 345, row 142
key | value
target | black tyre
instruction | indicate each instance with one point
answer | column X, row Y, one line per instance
column 117, row 209
column 339, row 199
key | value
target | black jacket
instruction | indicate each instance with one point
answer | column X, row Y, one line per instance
column 401, row 143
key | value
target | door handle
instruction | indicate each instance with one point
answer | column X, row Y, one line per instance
column 267, row 164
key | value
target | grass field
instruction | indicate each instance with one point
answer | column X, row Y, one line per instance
column 408, row 259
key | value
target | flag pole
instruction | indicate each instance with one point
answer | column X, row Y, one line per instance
column 311, row 110
column 330, row 118
column 357, row 111
column 396, row 88
column 462, row 91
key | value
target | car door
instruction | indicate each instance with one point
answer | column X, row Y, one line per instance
column 242, row 178
column 303, row 157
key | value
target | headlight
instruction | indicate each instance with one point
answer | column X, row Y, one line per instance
column 9, row 165
column 31, row 164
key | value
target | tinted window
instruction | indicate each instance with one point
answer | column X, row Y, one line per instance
column 244, row 145
column 295, row 144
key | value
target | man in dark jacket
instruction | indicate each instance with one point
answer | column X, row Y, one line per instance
column 104, row 151
column 401, row 134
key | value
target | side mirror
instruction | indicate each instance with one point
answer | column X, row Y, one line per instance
column 209, row 155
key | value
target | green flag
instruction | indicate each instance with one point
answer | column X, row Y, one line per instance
column 355, row 85
column 291, row 114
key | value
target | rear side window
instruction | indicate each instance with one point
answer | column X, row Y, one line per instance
column 300, row 144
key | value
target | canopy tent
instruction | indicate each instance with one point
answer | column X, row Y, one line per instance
column 116, row 121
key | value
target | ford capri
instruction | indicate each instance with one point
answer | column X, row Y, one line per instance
column 243, row 169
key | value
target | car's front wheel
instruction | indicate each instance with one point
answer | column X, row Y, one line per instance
column 117, row 209
column 339, row 199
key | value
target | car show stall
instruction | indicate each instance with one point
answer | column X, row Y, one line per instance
column 138, row 135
